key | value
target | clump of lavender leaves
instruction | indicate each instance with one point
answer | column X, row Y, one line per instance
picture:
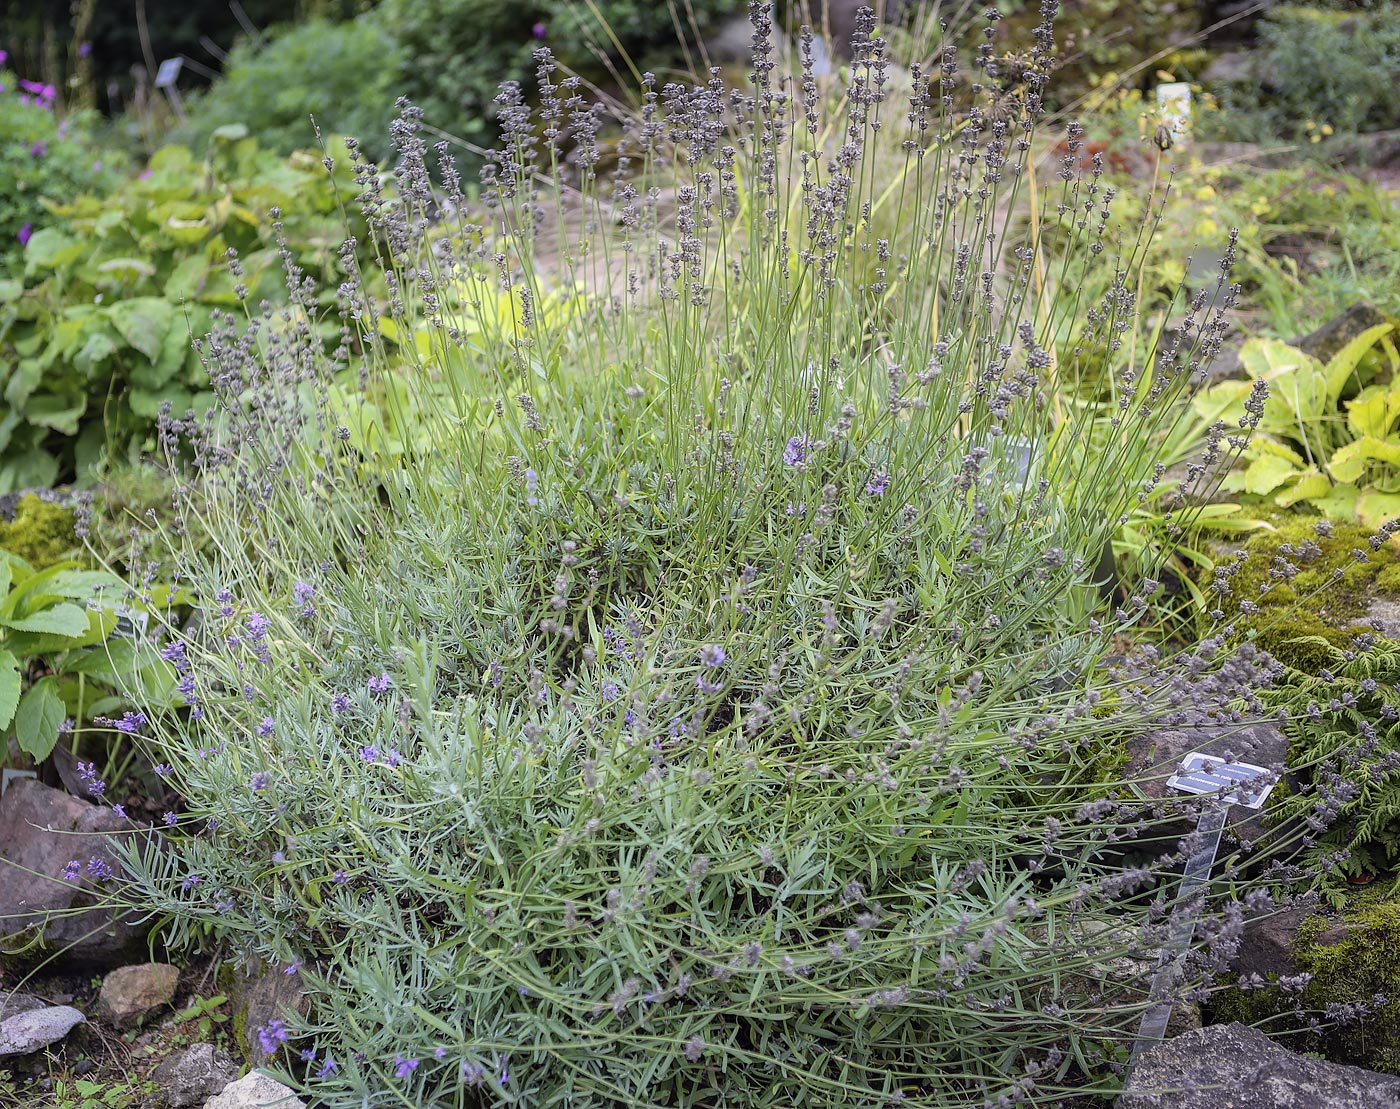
column 652, row 658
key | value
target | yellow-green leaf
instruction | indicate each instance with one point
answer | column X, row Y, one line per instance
column 1375, row 509
column 1311, row 484
column 1345, row 361
column 1348, row 463
column 1267, row 472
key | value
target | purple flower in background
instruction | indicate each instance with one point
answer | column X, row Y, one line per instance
column 877, row 483
column 130, row 722
column 271, row 1035
column 302, row 592
column 340, row 877
column 267, row 727
column 439, row 1053
column 539, row 30
column 3, row 57
column 99, row 868
column 796, row 451
column 380, row 684
column 38, row 148
column 340, row 703
column 472, row 1074
column 24, row 234
column 72, row 870
column 404, row 1068
column 171, row 820
column 369, row 752
column 328, row 1068
column 84, row 49
column 712, row 654
column 190, row 882
column 259, row 780
column 163, row 769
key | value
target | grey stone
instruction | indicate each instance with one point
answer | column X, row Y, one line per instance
column 130, row 993
column 254, row 1091
column 37, row 839
column 195, row 1075
column 260, row 995
column 1233, row 1066
column 1231, row 68
column 1324, row 343
column 28, row 1032
column 11, row 1004
column 1266, row 947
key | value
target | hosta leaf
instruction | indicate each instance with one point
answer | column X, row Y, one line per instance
column 38, row 718
column 1345, row 361
column 1311, row 484
column 1267, row 472
column 9, row 687
column 1374, row 509
column 1348, row 462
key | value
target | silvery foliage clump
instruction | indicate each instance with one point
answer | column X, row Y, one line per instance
column 635, row 665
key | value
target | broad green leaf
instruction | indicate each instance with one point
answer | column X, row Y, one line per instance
column 1349, row 461
column 1374, row 411
column 126, row 270
column 1345, row 361
column 143, row 322
column 50, row 249
column 10, row 290
column 38, row 718
column 1262, row 444
column 1297, row 390
column 64, row 619
column 1267, row 472
column 95, row 350
column 1339, row 504
column 1224, row 402
column 1375, row 509
column 101, row 623
column 187, row 278
column 61, row 413
column 1311, row 483
column 9, row 687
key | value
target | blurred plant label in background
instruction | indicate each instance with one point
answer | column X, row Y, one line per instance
column 169, row 73
column 1174, row 104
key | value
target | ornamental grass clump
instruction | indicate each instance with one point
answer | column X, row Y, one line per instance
column 654, row 659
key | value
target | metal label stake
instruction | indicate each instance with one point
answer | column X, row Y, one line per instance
column 1226, row 783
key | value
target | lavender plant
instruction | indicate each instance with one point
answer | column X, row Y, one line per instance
column 707, row 703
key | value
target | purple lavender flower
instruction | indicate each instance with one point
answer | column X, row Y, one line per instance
column 130, row 722
column 119, row 810
column 72, row 870
column 259, row 781
column 164, row 769
column 266, row 727
column 380, row 684
column 292, row 967
column 712, row 654
column 340, row 703
column 171, row 820
column 257, row 625
column 797, row 450
column 302, row 592
column 877, row 483
column 532, row 485
column 99, row 868
column 191, row 880
column 38, row 148
column 473, row 1074
column 609, row 690
column 174, row 653
column 340, row 877
column 84, row 49
column 328, row 1067
column 272, row 1035
column 24, row 234
column 369, row 752
column 539, row 30
column 439, row 1053
column 404, row 1068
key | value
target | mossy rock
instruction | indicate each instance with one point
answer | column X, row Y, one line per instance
column 41, row 532
column 1354, row 960
column 1332, row 599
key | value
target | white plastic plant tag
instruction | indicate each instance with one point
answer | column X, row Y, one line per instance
column 1174, row 104
column 1248, row 785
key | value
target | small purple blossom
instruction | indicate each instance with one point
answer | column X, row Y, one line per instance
column 99, row 868
column 24, row 234
column 170, row 819
column 439, row 1053
column 84, row 49
column 164, row 769
column 259, row 781
column 369, row 752
column 539, row 30
column 328, row 1067
column 191, row 880
column 340, row 877
column 38, row 148
column 712, row 655
column 302, row 592
column 877, row 483
column 72, row 870
column 609, row 690
column 119, row 810
column 130, row 722
column 340, row 703
column 381, row 684
column 266, row 727
column 797, row 450
column 473, row 1074
column 292, row 967
column 404, row 1068
column 272, row 1035
column 174, row 653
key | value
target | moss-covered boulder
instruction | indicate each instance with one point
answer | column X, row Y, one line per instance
column 1304, row 594
column 1353, row 992
column 39, row 531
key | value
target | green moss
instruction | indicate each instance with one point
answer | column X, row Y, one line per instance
column 1352, row 959
column 41, row 533
column 1313, row 605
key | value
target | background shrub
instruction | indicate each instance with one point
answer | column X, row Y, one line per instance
column 345, row 74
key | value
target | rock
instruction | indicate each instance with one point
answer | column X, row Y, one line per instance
column 11, row 1004
column 261, row 995
column 1231, row 68
column 253, row 1091
column 129, row 993
column 1266, row 948
column 37, row 826
column 28, row 1032
column 1153, row 757
column 194, row 1076
column 1336, row 333
column 1233, row 1066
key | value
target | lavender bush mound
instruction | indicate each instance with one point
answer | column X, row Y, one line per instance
column 653, row 661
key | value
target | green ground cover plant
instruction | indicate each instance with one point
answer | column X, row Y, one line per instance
column 674, row 671
column 95, row 331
